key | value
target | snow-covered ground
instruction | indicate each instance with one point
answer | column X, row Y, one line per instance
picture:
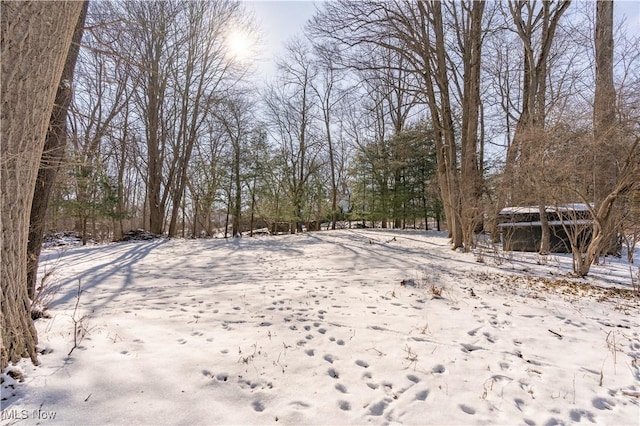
column 342, row 327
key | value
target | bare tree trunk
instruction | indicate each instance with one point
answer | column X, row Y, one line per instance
column 253, row 206
column 194, row 226
column 471, row 176
column 35, row 41
column 604, row 118
column 628, row 182
column 52, row 156
column 545, row 238
column 237, row 207
column 448, row 133
column 119, row 229
column 226, row 220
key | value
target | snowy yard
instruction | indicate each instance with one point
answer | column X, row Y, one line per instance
column 319, row 328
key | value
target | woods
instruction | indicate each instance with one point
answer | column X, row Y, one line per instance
column 383, row 114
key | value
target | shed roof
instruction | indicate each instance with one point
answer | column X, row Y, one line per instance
column 549, row 209
column 551, row 223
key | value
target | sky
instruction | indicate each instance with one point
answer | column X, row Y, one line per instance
column 281, row 20
column 630, row 9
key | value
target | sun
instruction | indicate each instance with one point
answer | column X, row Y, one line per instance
column 239, row 44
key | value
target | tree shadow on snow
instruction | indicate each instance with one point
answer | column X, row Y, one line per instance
column 130, row 254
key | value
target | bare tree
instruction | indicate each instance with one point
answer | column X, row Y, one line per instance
column 103, row 80
column 605, row 136
column 31, row 69
column 183, row 68
column 290, row 115
column 422, row 35
column 200, row 79
column 53, row 154
column 616, row 164
column 149, row 27
column 530, row 19
column 235, row 116
column 328, row 92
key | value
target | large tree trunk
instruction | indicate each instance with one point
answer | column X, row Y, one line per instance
column 471, row 175
column 604, row 120
column 453, row 201
column 52, row 156
column 35, row 40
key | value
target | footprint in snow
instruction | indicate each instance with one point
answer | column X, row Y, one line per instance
column 473, row 332
column 378, row 408
column 340, row 387
column 470, row 348
column 333, row 373
column 310, row 352
column 467, row 409
column 412, row 378
column 422, row 395
column 344, row 405
column 328, row 358
column 576, row 415
column 257, row 405
column 182, row 341
column 438, row 369
column 490, row 338
column 363, row 364
column 603, row 403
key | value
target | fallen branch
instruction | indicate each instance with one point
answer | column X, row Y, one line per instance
column 557, row 334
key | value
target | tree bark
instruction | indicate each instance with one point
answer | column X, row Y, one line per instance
column 35, row 41
column 237, row 206
column 604, row 120
column 470, row 174
column 53, row 155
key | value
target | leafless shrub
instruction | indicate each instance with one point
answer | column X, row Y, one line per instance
column 542, row 259
column 45, row 292
column 80, row 329
column 635, row 280
column 630, row 241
